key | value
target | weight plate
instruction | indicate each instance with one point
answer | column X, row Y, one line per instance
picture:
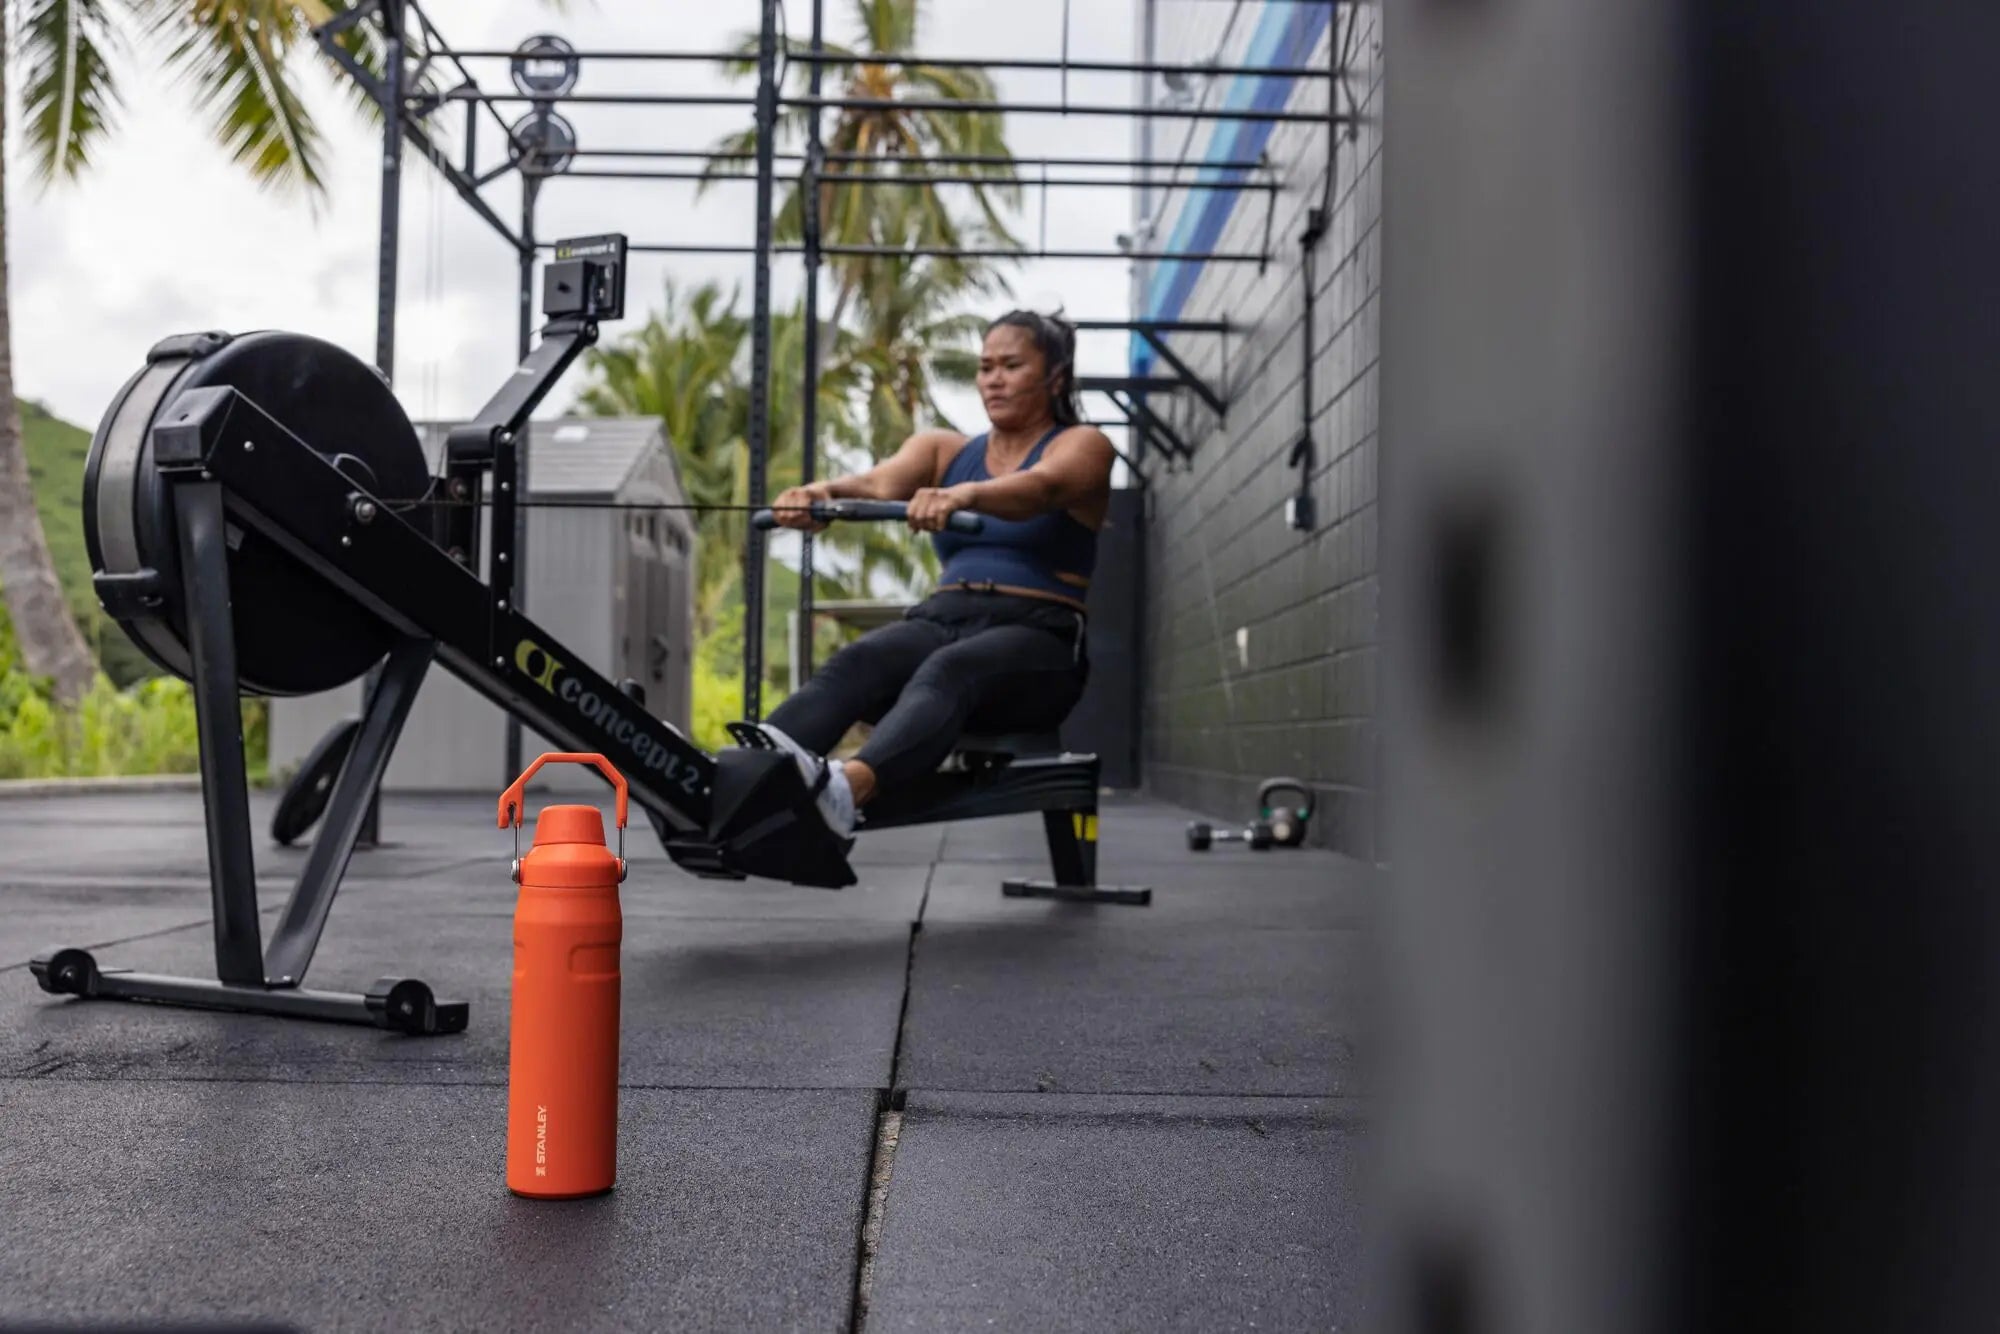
column 304, row 798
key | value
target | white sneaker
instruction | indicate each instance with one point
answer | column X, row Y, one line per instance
column 835, row 798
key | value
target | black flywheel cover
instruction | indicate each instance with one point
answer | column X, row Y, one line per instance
column 295, row 632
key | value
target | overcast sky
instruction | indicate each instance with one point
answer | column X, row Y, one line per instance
column 165, row 235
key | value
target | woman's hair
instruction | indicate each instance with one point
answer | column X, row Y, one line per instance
column 1056, row 337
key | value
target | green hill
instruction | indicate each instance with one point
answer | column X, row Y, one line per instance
column 56, row 452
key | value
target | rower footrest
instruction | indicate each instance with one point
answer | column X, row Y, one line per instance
column 763, row 822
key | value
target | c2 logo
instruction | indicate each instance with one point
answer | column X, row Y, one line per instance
column 544, row 676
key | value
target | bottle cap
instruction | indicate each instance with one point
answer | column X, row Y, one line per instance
column 569, row 824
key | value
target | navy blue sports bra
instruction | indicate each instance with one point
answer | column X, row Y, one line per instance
column 1050, row 553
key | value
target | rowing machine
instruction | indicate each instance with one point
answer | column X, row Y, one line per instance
column 249, row 513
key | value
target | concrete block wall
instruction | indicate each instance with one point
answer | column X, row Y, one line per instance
column 1261, row 641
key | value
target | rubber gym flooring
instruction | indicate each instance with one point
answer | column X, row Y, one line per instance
column 1065, row 1116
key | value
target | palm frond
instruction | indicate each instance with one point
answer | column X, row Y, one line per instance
column 955, row 367
column 235, row 53
column 68, row 96
column 890, row 26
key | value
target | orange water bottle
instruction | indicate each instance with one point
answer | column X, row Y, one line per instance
column 562, row 1065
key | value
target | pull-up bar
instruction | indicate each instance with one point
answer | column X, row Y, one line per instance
column 685, row 155
column 837, row 178
column 940, row 252
column 1064, row 109
column 892, row 178
column 993, row 160
column 825, row 58
column 884, row 104
column 938, row 160
column 672, row 57
column 594, row 99
column 1075, row 66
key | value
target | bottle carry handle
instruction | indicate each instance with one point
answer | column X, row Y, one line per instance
column 513, row 802
column 514, row 799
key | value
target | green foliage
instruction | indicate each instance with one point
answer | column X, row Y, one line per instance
column 67, row 96
column 718, row 701
column 718, row 669
column 147, row 728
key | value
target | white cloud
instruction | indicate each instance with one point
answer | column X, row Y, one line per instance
column 166, row 235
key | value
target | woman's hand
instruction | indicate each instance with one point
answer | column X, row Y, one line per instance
column 790, row 508
column 932, row 506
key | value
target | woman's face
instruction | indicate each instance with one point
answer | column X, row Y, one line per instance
column 1013, row 378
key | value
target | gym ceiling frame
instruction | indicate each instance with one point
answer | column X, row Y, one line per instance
column 416, row 62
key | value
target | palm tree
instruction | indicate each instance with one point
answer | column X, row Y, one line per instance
column 237, row 56
column 912, row 332
column 895, row 141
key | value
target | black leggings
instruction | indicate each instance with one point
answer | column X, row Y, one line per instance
column 1001, row 662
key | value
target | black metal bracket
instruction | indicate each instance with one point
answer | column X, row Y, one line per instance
column 1128, row 392
column 1189, row 378
column 1270, row 211
column 1343, row 80
column 1299, row 510
column 1156, row 427
column 462, row 180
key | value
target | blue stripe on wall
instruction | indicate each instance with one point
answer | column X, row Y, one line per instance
column 1285, row 35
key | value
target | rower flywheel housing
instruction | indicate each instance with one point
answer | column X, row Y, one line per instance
column 295, row 632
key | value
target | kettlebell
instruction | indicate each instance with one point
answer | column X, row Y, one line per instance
column 562, row 1058
column 1287, row 822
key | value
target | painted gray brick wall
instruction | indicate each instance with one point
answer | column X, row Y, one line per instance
column 1261, row 641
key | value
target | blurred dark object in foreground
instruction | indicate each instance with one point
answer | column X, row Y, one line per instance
column 1691, row 431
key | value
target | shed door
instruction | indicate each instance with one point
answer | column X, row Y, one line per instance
column 670, row 629
column 662, row 649
column 638, row 559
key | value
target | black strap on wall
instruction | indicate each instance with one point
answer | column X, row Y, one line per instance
column 1299, row 511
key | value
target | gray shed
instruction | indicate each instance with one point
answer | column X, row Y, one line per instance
column 616, row 586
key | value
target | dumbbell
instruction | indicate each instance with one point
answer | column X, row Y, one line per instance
column 1201, row 835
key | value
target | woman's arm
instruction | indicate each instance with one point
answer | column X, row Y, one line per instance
column 1075, row 468
column 898, row 477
